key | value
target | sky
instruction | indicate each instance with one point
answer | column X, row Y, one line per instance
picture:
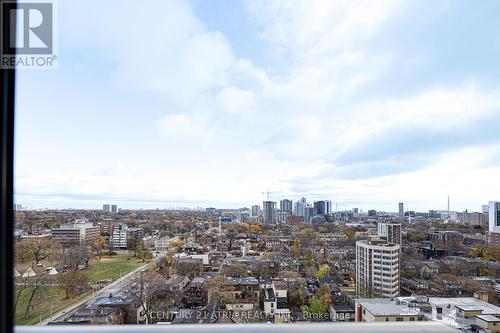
column 158, row 104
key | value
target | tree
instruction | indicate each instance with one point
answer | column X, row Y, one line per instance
column 86, row 254
column 316, row 307
column 176, row 245
column 296, row 247
column 77, row 255
column 218, row 290
column 296, row 297
column 236, row 269
column 145, row 255
column 150, row 289
column 410, row 273
column 22, row 285
column 321, row 273
column 324, row 293
column 98, row 245
column 35, row 282
column 255, row 228
column 290, row 275
column 350, row 233
column 23, row 251
column 415, row 236
column 72, row 279
column 40, row 249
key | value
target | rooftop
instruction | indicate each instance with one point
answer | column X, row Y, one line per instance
column 386, row 306
column 461, row 302
column 489, row 318
column 243, row 281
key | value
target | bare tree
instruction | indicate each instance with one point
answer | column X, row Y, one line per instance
column 23, row 251
column 218, row 290
column 151, row 291
column 98, row 245
column 22, row 285
column 77, row 255
column 71, row 280
column 40, row 249
column 35, row 282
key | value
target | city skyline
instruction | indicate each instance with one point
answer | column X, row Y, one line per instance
column 389, row 102
column 310, row 203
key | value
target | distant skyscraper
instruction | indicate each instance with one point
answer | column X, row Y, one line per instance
column 391, row 231
column 328, row 207
column 269, row 212
column 401, row 209
column 106, row 208
column 299, row 207
column 255, row 210
column 485, row 208
column 494, row 216
column 286, row 206
column 308, row 213
column 114, row 208
column 322, row 207
column 355, row 210
column 494, row 224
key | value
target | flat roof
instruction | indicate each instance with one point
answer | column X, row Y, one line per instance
column 487, row 308
column 386, row 307
column 489, row 318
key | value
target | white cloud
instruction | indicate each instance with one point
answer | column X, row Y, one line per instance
column 216, row 127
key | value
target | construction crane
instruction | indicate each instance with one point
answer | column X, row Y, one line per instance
column 268, row 193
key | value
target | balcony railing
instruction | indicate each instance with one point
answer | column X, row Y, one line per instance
column 393, row 327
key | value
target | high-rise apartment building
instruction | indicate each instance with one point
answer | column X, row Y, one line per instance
column 401, row 207
column 255, row 210
column 114, row 208
column 377, row 268
column 391, row 231
column 475, row 219
column 299, row 207
column 494, row 224
column 120, row 237
column 286, row 206
column 322, row 207
column 76, row 233
column 106, row 208
column 308, row 213
column 494, row 216
column 269, row 212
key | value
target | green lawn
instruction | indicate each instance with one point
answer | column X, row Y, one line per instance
column 45, row 298
column 53, row 298
column 111, row 268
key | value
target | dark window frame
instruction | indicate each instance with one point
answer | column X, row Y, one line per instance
column 7, row 191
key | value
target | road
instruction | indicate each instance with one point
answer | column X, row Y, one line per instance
column 112, row 288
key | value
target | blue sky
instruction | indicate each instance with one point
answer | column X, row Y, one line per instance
column 211, row 103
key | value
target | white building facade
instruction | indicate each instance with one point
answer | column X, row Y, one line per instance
column 377, row 268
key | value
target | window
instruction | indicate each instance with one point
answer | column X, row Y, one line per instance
column 189, row 157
